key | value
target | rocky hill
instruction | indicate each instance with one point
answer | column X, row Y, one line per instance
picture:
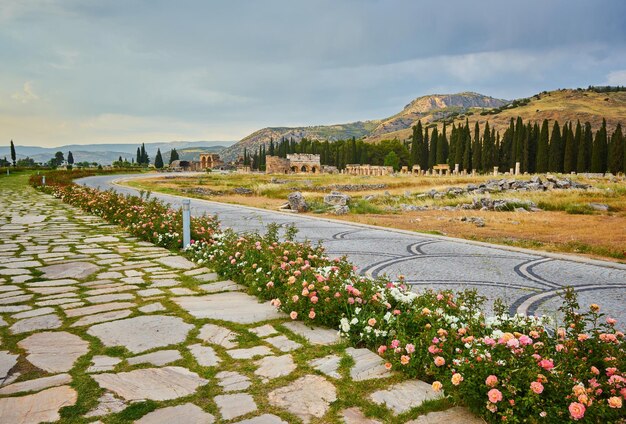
column 427, row 108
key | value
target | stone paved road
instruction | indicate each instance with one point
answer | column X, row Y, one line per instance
column 93, row 320
column 527, row 280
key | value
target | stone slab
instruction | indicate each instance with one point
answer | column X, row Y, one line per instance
column 39, row 407
column 95, row 309
column 404, row 396
column 43, row 322
column 7, row 361
column 142, row 333
column 328, row 365
column 221, row 336
column 235, row 405
column 36, row 384
column 187, row 413
column 54, row 351
column 102, row 363
column 177, row 262
column 157, row 358
column 455, row 415
column 152, row 383
column 221, row 286
column 307, row 397
column 264, row 419
column 314, row 335
column 367, row 365
column 232, row 381
column 232, row 306
column 152, row 307
column 283, row 343
column 264, row 330
column 249, row 353
column 355, row 416
column 272, row 367
column 78, row 270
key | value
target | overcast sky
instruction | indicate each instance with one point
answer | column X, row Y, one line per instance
column 93, row 71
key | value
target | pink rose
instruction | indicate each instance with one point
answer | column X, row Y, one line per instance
column 293, row 315
column 312, row 314
column 410, row 348
column 439, row 361
column 371, row 322
column 536, row 387
column 576, row 410
column 491, row 381
column 494, row 395
column 546, row 364
column 382, row 349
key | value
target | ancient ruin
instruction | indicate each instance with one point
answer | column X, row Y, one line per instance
column 207, row 161
column 294, row 163
column 210, row 161
column 356, row 169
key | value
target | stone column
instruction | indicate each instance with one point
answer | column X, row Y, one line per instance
column 456, row 169
column 517, row 168
column 495, row 171
column 511, row 171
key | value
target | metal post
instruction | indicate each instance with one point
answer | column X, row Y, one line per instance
column 186, row 223
column 43, row 180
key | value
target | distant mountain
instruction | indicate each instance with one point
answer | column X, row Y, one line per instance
column 108, row 153
column 426, row 108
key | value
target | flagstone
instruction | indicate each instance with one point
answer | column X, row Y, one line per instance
column 232, row 381
column 218, row 335
column 169, row 282
column 33, row 313
column 177, row 262
column 112, row 289
column 20, row 264
column 53, row 283
column 54, row 351
column 152, row 307
column 7, row 288
column 404, row 396
column 187, row 413
column 142, row 333
column 133, row 280
column 232, row 306
column 13, row 271
column 14, row 308
column 21, row 278
column 327, row 365
column 101, row 363
column 272, row 367
column 133, row 273
column 39, row 407
column 211, row 276
column 453, row 415
column 249, row 353
column 107, row 404
column 161, row 357
column 28, row 219
column 71, row 305
column 263, row 419
column 36, row 384
column 182, row 291
column 205, row 355
column 151, row 383
column 52, row 290
column 77, row 270
column 235, row 405
column 43, row 322
column 221, row 286
column 103, row 317
column 149, row 292
column 11, row 293
column 16, row 299
column 196, row 271
column 314, row 335
column 109, row 297
column 264, row 330
column 101, row 239
column 7, row 361
column 110, row 274
column 355, row 416
column 283, row 343
column 367, row 365
column 308, row 397
column 94, row 309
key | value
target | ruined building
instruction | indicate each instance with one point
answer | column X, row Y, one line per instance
column 294, row 163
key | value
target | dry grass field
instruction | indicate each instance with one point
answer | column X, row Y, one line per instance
column 566, row 223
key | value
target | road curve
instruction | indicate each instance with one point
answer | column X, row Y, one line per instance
column 528, row 280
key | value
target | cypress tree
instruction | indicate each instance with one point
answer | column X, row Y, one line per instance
column 543, row 149
column 452, row 147
column 599, row 151
column 555, row 158
column 486, row 159
column 442, row 147
column 432, row 150
column 459, row 147
column 525, row 159
column 616, row 151
column 158, row 160
column 425, row 153
column 271, row 147
column 173, row 156
column 569, row 155
column 138, row 161
column 581, row 151
column 467, row 148
column 13, row 156
column 416, row 141
column 70, row 158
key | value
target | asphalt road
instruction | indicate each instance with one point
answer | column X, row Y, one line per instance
column 529, row 281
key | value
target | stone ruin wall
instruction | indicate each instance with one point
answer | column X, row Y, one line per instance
column 355, row 169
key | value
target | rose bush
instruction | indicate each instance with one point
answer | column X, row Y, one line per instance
column 504, row 368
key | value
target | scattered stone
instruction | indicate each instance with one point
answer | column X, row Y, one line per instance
column 232, row 306
column 341, row 210
column 54, row 351
column 249, row 352
column 107, row 404
column 78, row 270
column 187, row 413
column 104, row 317
column 152, row 383
column 142, row 333
column 264, row 330
column 177, row 262
column 101, row 363
column 36, row 384
column 599, row 207
column 44, row 322
column 39, row 407
column 236, row 405
column 454, row 415
column 327, row 365
column 476, row 220
column 314, row 335
column 158, row 358
column 308, row 397
column 215, row 334
column 297, row 202
column 205, row 355
column 232, row 381
column 367, row 365
column 336, row 198
column 355, row 416
column 404, row 396
column 283, row 343
column 275, row 366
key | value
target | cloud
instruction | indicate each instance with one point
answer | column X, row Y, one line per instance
column 27, row 94
column 616, row 78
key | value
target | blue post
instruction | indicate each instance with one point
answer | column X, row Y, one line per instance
column 186, row 223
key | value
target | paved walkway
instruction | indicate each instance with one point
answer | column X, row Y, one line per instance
column 97, row 326
column 527, row 280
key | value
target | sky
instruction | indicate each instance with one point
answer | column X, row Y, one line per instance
column 128, row 71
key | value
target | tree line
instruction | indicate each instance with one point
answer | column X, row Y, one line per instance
column 539, row 148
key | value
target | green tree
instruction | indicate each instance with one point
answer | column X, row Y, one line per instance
column 543, row 148
column 416, row 143
column 569, row 155
column 581, row 149
column 425, row 153
column 616, row 151
column 477, row 151
column 392, row 160
column 13, row 156
column 487, row 150
column 555, row 159
column 158, row 160
column 599, row 151
column 138, row 161
column 174, row 156
column 59, row 158
column 432, row 150
column 70, row 158
column 442, row 147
